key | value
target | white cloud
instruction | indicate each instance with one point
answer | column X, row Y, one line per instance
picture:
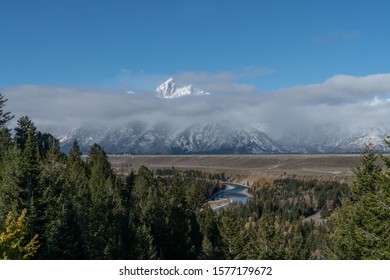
column 377, row 102
column 340, row 89
column 342, row 100
column 232, row 82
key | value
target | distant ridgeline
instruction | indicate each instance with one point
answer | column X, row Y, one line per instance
column 218, row 138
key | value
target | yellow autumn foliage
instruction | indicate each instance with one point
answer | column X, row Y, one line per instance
column 14, row 238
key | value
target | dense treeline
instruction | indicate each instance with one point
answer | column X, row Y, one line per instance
column 277, row 222
column 292, row 198
column 64, row 206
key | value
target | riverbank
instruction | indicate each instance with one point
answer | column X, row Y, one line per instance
column 232, row 194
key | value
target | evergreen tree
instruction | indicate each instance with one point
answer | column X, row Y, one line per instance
column 33, row 188
column 93, row 153
column 77, row 178
column 297, row 248
column 5, row 136
column 53, row 178
column 210, row 233
column 231, row 231
column 31, row 166
column 5, row 117
column 102, row 177
column 177, row 244
column 144, row 248
column 55, row 195
column 66, row 241
column 12, row 192
column 263, row 240
column 24, row 125
column 362, row 224
column 271, row 235
column 45, row 142
column 75, row 152
column 5, row 141
column 195, row 196
column 100, row 215
column 253, row 243
column 148, row 198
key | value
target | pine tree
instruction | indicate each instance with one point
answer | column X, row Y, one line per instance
column 144, row 248
column 231, row 231
column 195, row 196
column 263, row 240
column 66, row 241
column 362, row 224
column 77, row 178
column 45, row 142
column 12, row 192
column 30, row 182
column 5, row 141
column 24, row 125
column 75, row 152
column 55, row 195
column 148, row 196
column 53, row 178
column 31, row 165
column 5, row 136
column 102, row 177
column 297, row 248
column 100, row 216
column 272, row 236
column 210, row 233
column 5, row 117
column 253, row 244
column 177, row 244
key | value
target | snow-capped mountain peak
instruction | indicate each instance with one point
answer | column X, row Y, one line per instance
column 168, row 89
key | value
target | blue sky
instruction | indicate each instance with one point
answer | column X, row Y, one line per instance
column 279, row 65
column 265, row 44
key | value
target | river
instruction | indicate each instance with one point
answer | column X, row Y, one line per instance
column 233, row 193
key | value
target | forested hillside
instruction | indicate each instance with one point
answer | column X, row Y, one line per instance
column 64, row 206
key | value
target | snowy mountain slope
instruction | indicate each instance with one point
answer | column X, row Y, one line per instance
column 155, row 140
column 132, row 138
column 169, row 89
column 224, row 138
column 336, row 139
column 370, row 135
column 138, row 138
column 85, row 135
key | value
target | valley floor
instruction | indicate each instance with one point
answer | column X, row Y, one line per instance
column 248, row 168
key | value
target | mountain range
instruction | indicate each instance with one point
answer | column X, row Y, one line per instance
column 217, row 138
column 220, row 137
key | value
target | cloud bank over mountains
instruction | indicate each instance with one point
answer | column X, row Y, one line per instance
column 343, row 101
